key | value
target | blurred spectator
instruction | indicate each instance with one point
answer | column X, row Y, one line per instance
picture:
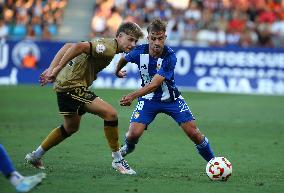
column 36, row 24
column 277, row 30
column 4, row 30
column 245, row 23
column 264, row 35
column 98, row 25
column 29, row 60
column 113, row 21
column 175, row 30
column 46, row 35
column 30, row 18
column 248, row 38
column 30, row 32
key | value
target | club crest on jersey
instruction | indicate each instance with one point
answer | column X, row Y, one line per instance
column 136, row 115
column 100, row 48
column 158, row 66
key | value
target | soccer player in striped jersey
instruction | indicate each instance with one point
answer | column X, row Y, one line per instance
column 73, row 70
column 159, row 94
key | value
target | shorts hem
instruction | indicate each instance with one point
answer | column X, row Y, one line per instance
column 179, row 123
column 68, row 113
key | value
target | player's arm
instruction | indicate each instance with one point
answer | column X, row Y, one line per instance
column 59, row 55
column 131, row 57
column 75, row 50
column 121, row 63
column 54, row 63
column 157, row 80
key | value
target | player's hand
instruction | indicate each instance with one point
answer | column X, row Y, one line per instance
column 42, row 77
column 126, row 101
column 47, row 76
column 121, row 74
column 50, row 77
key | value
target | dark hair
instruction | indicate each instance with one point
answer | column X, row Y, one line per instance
column 157, row 25
column 130, row 28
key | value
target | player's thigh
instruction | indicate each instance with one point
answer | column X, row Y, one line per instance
column 179, row 111
column 135, row 130
column 102, row 109
column 72, row 123
column 144, row 112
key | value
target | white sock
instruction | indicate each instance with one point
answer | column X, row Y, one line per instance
column 39, row 152
column 117, row 155
column 16, row 178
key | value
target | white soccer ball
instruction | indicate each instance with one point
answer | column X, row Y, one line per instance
column 219, row 168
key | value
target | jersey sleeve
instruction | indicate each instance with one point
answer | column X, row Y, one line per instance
column 132, row 56
column 100, row 48
column 168, row 67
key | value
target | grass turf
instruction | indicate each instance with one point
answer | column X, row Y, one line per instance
column 247, row 129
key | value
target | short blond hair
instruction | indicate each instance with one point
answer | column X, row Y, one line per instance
column 130, row 28
column 157, row 25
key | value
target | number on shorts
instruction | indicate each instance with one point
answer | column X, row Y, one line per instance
column 183, row 106
column 140, row 105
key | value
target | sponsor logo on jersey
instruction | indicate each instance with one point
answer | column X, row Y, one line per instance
column 100, row 48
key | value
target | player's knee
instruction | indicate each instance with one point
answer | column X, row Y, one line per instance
column 69, row 130
column 111, row 115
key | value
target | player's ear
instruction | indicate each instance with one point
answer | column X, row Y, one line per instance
column 120, row 34
column 148, row 38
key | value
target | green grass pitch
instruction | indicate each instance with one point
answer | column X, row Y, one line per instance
column 247, row 129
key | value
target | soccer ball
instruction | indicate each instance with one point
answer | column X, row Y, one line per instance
column 219, row 168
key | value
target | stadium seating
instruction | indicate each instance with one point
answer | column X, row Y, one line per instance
column 36, row 19
column 246, row 23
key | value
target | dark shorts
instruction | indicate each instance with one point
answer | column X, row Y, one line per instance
column 73, row 101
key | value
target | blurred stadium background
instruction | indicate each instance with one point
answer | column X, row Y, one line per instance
column 234, row 47
column 246, row 23
column 221, row 45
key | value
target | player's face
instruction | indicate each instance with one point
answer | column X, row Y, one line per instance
column 126, row 42
column 156, row 41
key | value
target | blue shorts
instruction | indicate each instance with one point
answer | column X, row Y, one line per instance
column 146, row 111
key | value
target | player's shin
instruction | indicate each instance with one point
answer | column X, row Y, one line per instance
column 56, row 136
column 111, row 133
column 205, row 150
column 129, row 146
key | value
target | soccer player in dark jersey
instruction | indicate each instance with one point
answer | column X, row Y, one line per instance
column 159, row 94
column 73, row 70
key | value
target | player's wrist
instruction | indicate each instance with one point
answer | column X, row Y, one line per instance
column 117, row 72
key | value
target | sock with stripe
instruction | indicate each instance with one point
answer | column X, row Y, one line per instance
column 111, row 133
column 56, row 136
column 205, row 150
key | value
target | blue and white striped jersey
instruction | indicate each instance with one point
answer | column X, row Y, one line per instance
column 149, row 66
